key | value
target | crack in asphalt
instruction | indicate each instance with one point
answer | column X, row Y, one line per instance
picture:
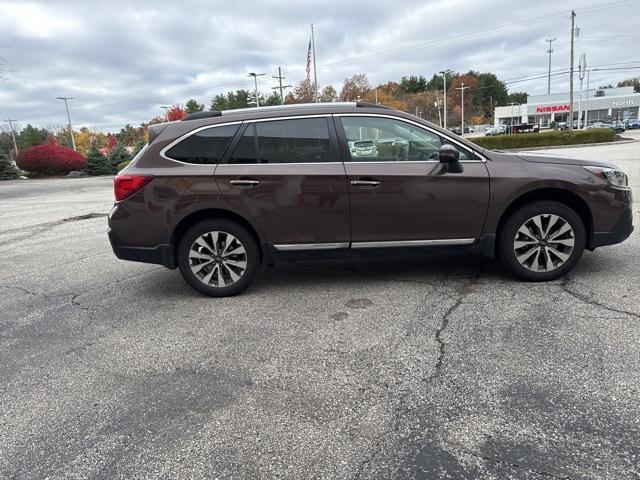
column 564, row 285
column 515, row 465
column 25, row 290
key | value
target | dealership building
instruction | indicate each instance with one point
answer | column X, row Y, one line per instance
column 600, row 105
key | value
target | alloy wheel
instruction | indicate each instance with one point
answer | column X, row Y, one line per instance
column 544, row 243
column 217, row 259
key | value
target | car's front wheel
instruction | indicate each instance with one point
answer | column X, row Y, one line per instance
column 542, row 241
column 218, row 257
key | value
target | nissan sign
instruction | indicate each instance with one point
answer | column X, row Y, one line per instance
column 553, row 108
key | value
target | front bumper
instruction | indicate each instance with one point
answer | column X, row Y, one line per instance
column 619, row 233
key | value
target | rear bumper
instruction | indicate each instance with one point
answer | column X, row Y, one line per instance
column 619, row 233
column 160, row 254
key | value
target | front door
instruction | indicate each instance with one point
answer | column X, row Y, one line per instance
column 399, row 191
column 287, row 177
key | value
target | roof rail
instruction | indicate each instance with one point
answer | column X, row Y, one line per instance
column 371, row 105
column 198, row 115
column 288, row 106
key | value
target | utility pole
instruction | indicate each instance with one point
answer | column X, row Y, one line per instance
column 280, row 87
column 73, row 140
column 573, row 26
column 444, row 77
column 315, row 71
column 255, row 79
column 13, row 137
column 462, row 88
column 549, row 51
column 582, row 66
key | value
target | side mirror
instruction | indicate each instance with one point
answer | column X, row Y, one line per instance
column 449, row 154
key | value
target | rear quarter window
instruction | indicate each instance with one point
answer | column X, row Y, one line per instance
column 204, row 147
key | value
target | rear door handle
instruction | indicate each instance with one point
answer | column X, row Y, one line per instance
column 366, row 183
column 245, row 183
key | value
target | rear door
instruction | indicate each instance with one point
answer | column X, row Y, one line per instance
column 286, row 176
column 400, row 193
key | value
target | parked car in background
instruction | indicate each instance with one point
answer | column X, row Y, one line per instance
column 364, row 148
column 456, row 130
column 633, row 124
column 219, row 193
column 562, row 126
column 618, row 127
column 497, row 130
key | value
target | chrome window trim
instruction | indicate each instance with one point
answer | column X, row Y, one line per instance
column 419, row 125
column 292, row 247
column 274, row 163
column 415, row 243
column 163, row 152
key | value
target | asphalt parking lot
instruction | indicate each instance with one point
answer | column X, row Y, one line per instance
column 434, row 365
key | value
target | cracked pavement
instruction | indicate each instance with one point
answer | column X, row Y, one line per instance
column 430, row 364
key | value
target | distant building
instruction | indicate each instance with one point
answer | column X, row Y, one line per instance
column 604, row 105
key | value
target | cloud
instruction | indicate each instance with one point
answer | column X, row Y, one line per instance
column 122, row 60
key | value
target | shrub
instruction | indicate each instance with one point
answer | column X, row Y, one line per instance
column 121, row 165
column 545, row 139
column 7, row 169
column 97, row 163
column 118, row 155
column 50, row 160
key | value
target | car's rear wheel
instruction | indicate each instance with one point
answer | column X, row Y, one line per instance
column 542, row 241
column 218, row 257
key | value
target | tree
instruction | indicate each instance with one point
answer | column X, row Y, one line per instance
column 31, row 136
column 355, row 87
column 491, row 92
column 111, row 142
column 7, row 169
column 413, row 84
column 437, row 81
column 97, row 163
column 175, row 113
column 129, row 135
column 192, row 106
column 517, row 97
column 469, row 80
column 631, row 82
column 51, row 140
column 230, row 101
column 138, row 146
column 328, row 94
column 303, row 92
column 118, row 155
column 273, row 99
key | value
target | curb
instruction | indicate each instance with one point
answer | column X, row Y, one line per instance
column 579, row 145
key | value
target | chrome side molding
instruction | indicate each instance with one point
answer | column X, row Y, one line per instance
column 416, row 243
column 291, row 247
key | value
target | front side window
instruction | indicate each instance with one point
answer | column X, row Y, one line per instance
column 203, row 147
column 376, row 139
column 303, row 140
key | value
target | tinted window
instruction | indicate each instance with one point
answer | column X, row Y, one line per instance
column 304, row 140
column 245, row 151
column 376, row 139
column 204, row 147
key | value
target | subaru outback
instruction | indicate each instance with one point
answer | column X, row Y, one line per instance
column 218, row 193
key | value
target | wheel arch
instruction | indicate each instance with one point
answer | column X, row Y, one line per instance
column 207, row 214
column 559, row 195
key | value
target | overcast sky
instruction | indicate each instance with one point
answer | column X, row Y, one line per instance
column 122, row 60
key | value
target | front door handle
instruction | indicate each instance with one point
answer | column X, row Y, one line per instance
column 366, row 183
column 245, row 183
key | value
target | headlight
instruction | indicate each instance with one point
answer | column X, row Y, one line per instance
column 615, row 177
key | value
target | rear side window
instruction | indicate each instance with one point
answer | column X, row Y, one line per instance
column 304, row 140
column 203, row 147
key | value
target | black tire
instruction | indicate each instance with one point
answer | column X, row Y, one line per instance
column 525, row 215
column 250, row 257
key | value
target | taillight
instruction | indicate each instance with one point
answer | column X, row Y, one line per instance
column 127, row 185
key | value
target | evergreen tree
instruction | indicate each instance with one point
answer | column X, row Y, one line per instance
column 97, row 163
column 193, row 106
column 7, row 169
column 118, row 155
column 138, row 146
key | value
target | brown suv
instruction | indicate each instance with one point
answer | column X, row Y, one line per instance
column 217, row 193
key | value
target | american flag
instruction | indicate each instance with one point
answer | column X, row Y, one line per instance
column 309, row 62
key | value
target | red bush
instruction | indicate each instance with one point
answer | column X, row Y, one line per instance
column 50, row 160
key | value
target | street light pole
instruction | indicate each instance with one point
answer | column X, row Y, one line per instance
column 166, row 111
column 255, row 79
column 586, row 106
column 444, row 77
column 462, row 88
column 65, row 99
column 512, row 104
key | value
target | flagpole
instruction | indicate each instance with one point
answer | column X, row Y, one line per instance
column 315, row 73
